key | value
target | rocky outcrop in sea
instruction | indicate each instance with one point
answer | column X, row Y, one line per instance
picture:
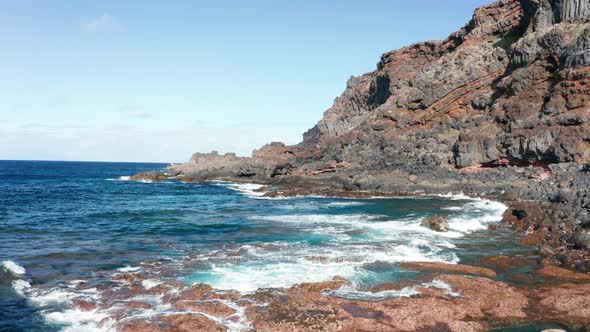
column 500, row 108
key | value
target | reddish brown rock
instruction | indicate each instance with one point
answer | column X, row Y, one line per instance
column 173, row 323
column 486, row 297
column 561, row 273
column 129, row 277
column 84, row 305
column 452, row 268
column 305, row 308
column 458, row 326
column 213, row 308
column 191, row 323
column 138, row 305
column 570, row 303
column 502, row 262
column 154, row 176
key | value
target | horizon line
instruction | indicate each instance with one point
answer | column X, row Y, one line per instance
column 89, row 161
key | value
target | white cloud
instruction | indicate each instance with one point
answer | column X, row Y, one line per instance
column 105, row 22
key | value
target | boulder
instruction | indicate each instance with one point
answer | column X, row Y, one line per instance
column 436, row 223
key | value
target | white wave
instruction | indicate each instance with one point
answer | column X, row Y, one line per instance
column 239, row 321
column 455, row 196
column 44, row 297
column 381, row 228
column 120, row 178
column 419, row 243
column 13, row 268
column 248, row 278
column 295, row 264
column 248, row 189
column 351, row 293
column 300, row 206
column 348, row 219
column 72, row 319
column 150, row 283
column 20, row 286
column 477, row 215
column 129, row 269
column 345, row 204
column 77, row 320
column 75, row 283
column 437, row 283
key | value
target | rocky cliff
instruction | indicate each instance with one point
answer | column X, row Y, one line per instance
column 501, row 107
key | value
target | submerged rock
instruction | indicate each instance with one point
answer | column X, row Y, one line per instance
column 436, row 223
column 156, row 176
column 502, row 262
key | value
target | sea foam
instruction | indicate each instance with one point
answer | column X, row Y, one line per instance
column 13, row 268
column 248, row 189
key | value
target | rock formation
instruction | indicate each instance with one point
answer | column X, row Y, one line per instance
column 501, row 107
column 436, row 223
column 444, row 297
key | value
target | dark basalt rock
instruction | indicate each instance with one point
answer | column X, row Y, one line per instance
column 152, row 176
column 436, row 223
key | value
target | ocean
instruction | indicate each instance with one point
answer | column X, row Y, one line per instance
column 67, row 223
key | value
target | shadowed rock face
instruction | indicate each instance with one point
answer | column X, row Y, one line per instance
column 510, row 89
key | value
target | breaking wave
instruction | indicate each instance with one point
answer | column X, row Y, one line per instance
column 13, row 268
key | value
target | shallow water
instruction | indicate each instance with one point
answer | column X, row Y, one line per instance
column 65, row 221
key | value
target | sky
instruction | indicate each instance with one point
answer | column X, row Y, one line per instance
column 156, row 81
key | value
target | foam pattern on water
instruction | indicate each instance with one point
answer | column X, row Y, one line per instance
column 224, row 234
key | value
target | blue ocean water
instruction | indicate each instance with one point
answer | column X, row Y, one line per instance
column 62, row 222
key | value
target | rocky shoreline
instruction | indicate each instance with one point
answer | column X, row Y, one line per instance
column 444, row 297
column 548, row 222
column 488, row 296
column 501, row 110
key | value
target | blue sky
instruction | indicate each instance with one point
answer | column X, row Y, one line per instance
column 119, row 80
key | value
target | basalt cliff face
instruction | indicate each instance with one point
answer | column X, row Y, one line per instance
column 500, row 108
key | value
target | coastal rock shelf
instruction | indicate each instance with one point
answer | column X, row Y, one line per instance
column 449, row 297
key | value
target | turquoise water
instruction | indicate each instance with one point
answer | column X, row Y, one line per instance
column 65, row 221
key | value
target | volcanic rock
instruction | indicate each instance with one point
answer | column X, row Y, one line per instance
column 449, row 268
column 436, row 223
